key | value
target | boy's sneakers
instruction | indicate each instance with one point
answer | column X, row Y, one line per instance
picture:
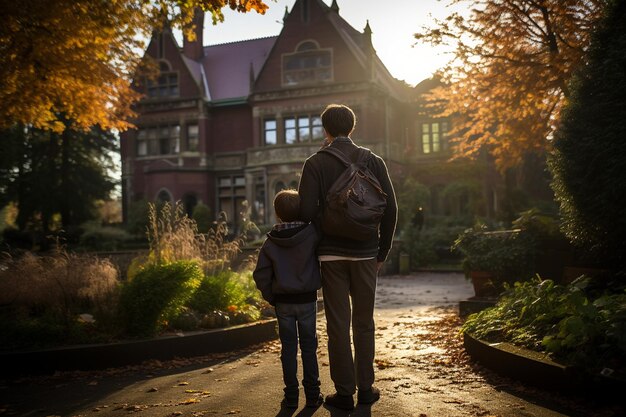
column 315, row 402
column 369, row 396
column 343, row 402
column 290, row 402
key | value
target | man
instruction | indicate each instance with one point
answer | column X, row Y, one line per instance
column 349, row 267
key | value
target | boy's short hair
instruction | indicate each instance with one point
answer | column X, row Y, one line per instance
column 287, row 205
column 338, row 120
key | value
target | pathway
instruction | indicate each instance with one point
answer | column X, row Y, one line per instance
column 422, row 371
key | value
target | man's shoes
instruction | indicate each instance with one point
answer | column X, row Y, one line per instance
column 343, row 402
column 290, row 402
column 315, row 401
column 369, row 396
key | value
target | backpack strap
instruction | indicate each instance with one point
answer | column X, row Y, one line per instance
column 363, row 155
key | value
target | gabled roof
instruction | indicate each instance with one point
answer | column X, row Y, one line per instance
column 228, row 66
column 359, row 43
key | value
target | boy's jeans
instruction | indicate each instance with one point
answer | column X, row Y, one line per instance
column 297, row 322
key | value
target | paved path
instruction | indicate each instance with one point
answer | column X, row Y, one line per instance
column 422, row 371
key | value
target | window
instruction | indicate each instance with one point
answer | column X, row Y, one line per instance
column 303, row 129
column 269, row 131
column 434, row 137
column 162, row 140
column 165, row 85
column 193, row 138
column 309, row 64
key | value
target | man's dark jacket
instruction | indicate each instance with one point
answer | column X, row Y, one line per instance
column 287, row 270
column 318, row 174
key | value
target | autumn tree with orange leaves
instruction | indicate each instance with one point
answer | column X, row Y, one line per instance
column 508, row 79
column 74, row 59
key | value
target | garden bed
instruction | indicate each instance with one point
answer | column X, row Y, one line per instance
column 107, row 355
column 537, row 368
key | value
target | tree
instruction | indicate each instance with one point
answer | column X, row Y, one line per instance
column 589, row 158
column 77, row 57
column 508, row 78
column 49, row 174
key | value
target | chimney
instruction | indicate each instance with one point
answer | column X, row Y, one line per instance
column 195, row 49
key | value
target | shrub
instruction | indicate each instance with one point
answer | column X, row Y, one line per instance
column 137, row 221
column 108, row 238
column 43, row 296
column 202, row 216
column 156, row 294
column 577, row 324
column 223, row 290
column 431, row 245
column 589, row 158
column 508, row 254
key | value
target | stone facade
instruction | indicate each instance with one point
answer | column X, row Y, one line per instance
column 234, row 122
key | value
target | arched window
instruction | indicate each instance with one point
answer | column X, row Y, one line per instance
column 308, row 64
column 164, row 196
column 165, row 85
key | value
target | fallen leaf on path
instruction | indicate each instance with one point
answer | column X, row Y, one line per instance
column 189, row 401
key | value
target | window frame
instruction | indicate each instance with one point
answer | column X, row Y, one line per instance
column 150, row 140
column 299, row 130
column 433, row 136
column 303, row 74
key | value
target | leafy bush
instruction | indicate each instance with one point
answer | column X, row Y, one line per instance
column 508, row 254
column 108, row 238
column 224, row 290
column 137, row 221
column 431, row 245
column 156, row 294
column 410, row 195
column 589, row 158
column 202, row 216
column 577, row 324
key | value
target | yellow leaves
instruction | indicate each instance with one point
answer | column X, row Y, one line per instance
column 507, row 80
column 77, row 57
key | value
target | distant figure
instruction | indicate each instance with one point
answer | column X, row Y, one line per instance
column 349, row 266
column 418, row 218
column 288, row 275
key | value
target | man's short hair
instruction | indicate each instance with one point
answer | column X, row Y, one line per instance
column 338, row 120
column 287, row 205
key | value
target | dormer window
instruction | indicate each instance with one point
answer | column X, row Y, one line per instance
column 166, row 84
column 307, row 65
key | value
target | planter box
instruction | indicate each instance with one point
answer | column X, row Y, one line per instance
column 537, row 369
column 109, row 355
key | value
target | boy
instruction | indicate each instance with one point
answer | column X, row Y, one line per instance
column 287, row 274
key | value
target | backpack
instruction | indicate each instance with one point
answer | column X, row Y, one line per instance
column 356, row 202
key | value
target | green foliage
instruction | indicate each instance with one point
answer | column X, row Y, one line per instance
column 107, row 238
column 202, row 216
column 223, row 290
column 431, row 245
column 589, row 158
column 157, row 294
column 42, row 169
column 137, row 221
column 577, row 324
column 410, row 195
column 508, row 254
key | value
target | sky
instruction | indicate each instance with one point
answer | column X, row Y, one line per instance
column 393, row 25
